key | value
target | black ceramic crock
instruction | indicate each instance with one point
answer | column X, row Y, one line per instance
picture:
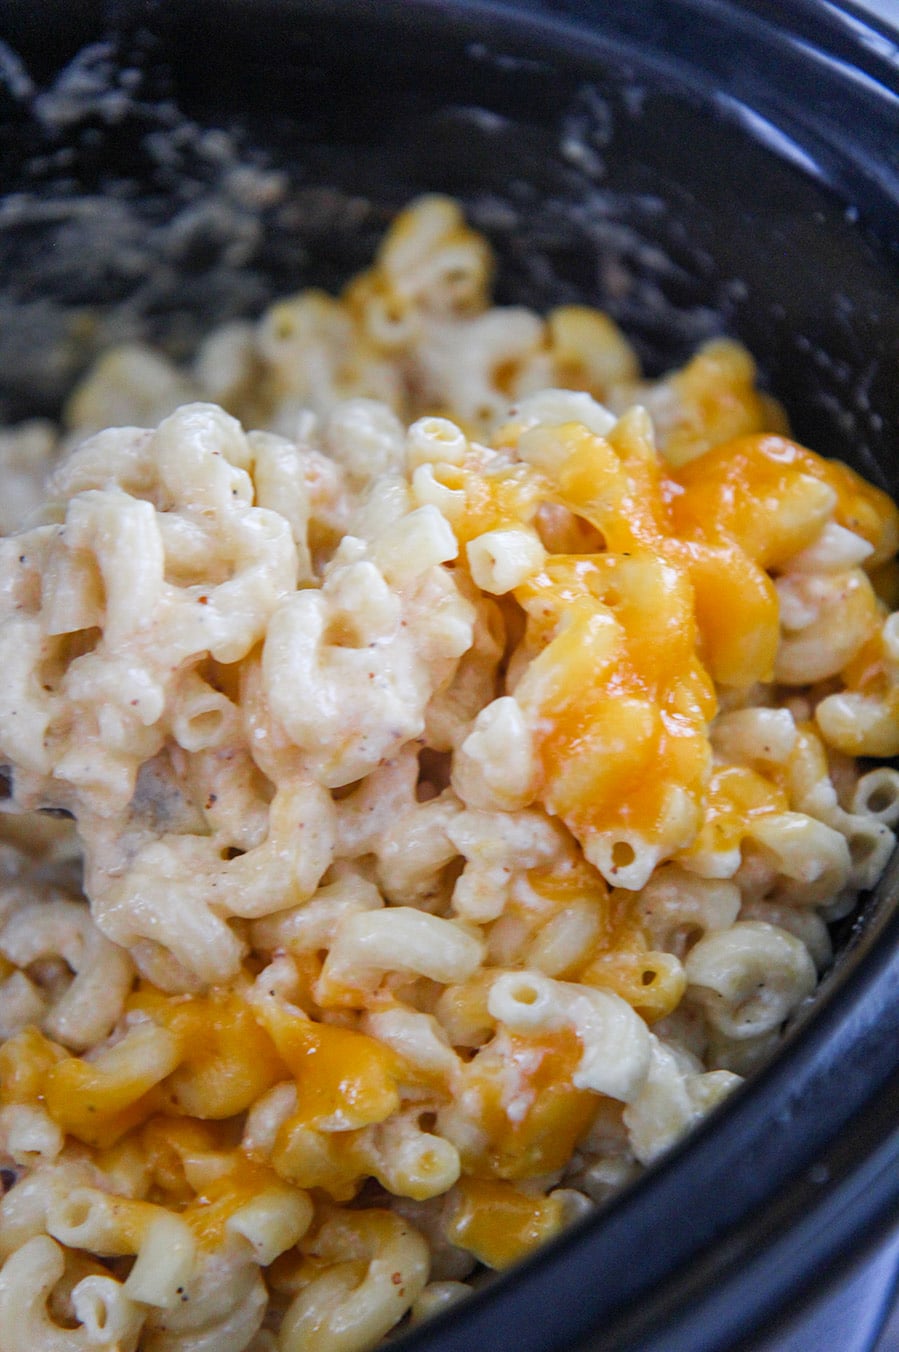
column 695, row 167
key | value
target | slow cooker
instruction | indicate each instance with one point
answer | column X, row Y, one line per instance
column 694, row 167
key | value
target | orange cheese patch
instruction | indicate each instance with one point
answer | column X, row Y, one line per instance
column 26, row 1060
column 772, row 496
column 736, row 795
column 226, row 1060
column 529, row 1114
column 207, row 1057
column 620, row 704
column 99, row 1100
column 498, row 1223
column 240, row 1182
column 345, row 1079
column 623, row 646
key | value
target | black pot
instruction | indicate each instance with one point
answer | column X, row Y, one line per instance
column 694, row 167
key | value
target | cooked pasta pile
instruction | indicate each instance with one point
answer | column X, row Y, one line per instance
column 464, row 765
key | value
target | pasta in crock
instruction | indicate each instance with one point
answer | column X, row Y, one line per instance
column 462, row 738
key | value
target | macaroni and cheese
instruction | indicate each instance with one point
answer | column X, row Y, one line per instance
column 434, row 756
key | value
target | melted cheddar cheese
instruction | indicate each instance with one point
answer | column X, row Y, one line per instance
column 498, row 1223
column 529, row 1115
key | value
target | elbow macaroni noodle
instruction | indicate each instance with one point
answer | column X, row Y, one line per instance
column 463, row 768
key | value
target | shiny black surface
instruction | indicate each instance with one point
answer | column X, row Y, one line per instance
column 683, row 163
column 695, row 167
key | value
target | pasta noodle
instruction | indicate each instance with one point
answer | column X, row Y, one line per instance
column 462, row 773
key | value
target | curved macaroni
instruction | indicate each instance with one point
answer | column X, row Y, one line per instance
column 463, row 769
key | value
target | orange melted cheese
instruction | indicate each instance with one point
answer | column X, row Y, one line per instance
column 345, row 1079
column 624, row 645
column 227, row 1061
column 623, row 700
column 715, row 398
column 199, row 1171
column 223, row 1054
column 736, row 795
column 529, row 1113
column 240, row 1182
column 26, row 1060
column 866, row 672
column 498, row 1223
column 651, row 982
column 215, row 1063
column 336, row 1162
column 588, row 350
column 623, row 961
column 98, row 1103
column 623, row 705
column 492, row 499
column 772, row 496
column 169, row 1145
